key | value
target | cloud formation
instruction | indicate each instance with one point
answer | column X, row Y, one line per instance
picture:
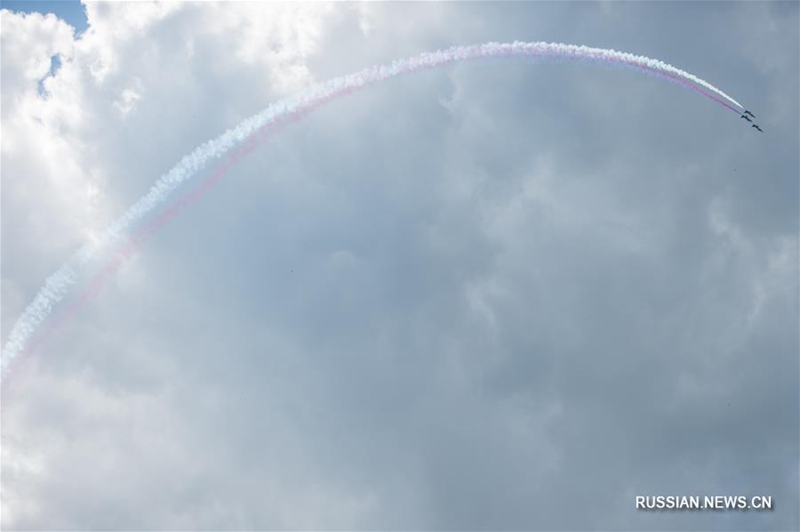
column 496, row 296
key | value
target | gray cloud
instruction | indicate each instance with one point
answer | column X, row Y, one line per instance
column 506, row 295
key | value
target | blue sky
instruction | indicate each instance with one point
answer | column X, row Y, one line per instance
column 497, row 295
column 70, row 11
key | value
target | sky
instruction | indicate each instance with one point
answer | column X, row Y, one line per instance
column 506, row 295
column 70, row 11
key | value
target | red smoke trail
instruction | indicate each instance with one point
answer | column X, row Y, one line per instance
column 149, row 230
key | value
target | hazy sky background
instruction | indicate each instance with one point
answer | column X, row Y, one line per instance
column 498, row 295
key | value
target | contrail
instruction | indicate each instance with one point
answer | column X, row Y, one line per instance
column 59, row 285
column 149, row 229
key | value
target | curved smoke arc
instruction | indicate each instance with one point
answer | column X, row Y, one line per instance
column 58, row 285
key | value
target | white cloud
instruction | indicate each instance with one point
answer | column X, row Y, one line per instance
column 477, row 298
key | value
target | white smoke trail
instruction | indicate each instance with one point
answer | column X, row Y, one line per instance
column 58, row 285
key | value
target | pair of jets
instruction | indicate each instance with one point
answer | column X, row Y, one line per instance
column 746, row 112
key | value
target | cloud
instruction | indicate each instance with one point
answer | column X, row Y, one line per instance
column 507, row 295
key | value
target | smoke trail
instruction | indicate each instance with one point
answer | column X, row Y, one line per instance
column 148, row 231
column 59, row 284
